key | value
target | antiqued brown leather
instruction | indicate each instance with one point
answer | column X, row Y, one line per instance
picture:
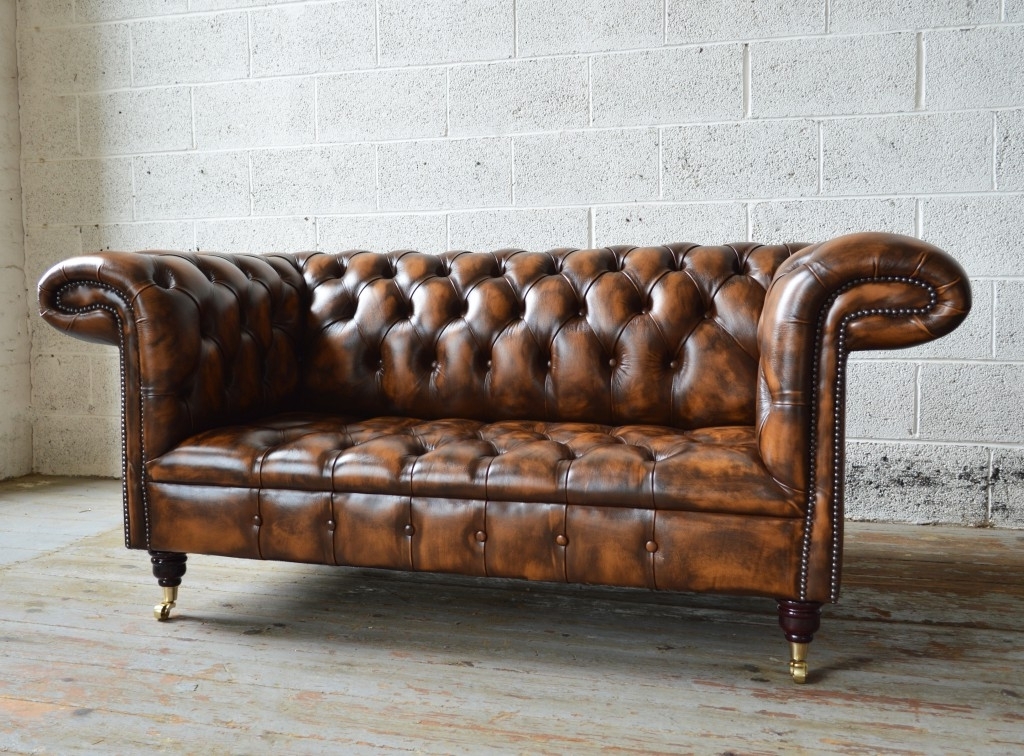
column 627, row 416
column 641, row 466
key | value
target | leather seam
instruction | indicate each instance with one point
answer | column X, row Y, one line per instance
column 838, row 420
column 143, row 472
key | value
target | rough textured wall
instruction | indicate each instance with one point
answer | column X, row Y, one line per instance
column 249, row 124
column 15, row 424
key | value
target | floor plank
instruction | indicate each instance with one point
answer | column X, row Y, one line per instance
column 923, row 655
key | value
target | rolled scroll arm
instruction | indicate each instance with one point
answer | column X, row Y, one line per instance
column 862, row 291
column 203, row 339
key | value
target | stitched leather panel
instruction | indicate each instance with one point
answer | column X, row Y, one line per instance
column 668, row 550
column 712, row 469
column 656, row 335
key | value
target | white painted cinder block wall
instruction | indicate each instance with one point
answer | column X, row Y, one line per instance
column 260, row 125
column 15, row 423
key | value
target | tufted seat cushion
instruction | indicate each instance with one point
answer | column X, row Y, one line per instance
column 643, row 466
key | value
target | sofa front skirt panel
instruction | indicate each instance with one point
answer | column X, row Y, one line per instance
column 602, row 545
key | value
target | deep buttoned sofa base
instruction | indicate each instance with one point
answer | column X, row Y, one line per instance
column 661, row 417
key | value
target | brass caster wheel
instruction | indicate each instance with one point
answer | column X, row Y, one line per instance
column 798, row 662
column 162, row 611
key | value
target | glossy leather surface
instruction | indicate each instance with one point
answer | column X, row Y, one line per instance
column 712, row 469
column 673, row 414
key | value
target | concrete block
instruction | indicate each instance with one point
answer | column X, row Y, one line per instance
column 46, row 12
column 263, row 113
column 105, row 383
column 16, row 380
column 533, row 230
column 580, row 167
column 49, row 127
column 740, row 160
column 917, row 483
column 833, row 75
column 15, row 444
column 148, row 120
column 60, row 383
column 10, row 139
column 572, row 26
column 528, row 95
column 14, row 339
column 445, row 174
column 971, row 341
column 1014, row 10
column 415, row 32
column 10, row 209
column 10, row 215
column 383, row 233
column 15, row 420
column 379, row 105
column 77, row 191
column 77, row 445
column 257, row 235
column 76, row 59
column 846, row 16
column 91, row 11
column 1007, row 509
column 45, row 247
column 208, row 5
column 12, row 253
column 881, row 399
column 193, row 185
column 185, row 49
column 313, row 180
column 815, row 220
column 982, row 233
column 945, row 152
column 8, row 47
column 974, row 68
column 128, row 237
column 979, row 402
column 1009, row 320
column 318, row 38
column 652, row 225
column 1010, row 150
column 668, row 86
column 689, row 22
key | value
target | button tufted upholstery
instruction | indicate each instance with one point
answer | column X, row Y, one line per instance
column 668, row 417
column 572, row 463
column 660, row 335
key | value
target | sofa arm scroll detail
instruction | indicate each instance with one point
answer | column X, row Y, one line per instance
column 204, row 340
column 862, row 291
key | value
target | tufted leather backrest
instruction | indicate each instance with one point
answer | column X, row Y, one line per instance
column 620, row 335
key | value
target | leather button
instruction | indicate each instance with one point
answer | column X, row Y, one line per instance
column 481, row 536
column 651, row 546
column 330, row 525
column 612, row 362
column 561, row 540
column 673, row 364
column 409, row 530
column 549, row 363
column 257, row 521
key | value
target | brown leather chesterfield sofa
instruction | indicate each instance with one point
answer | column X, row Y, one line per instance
column 662, row 417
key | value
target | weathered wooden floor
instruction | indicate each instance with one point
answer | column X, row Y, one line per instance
column 924, row 655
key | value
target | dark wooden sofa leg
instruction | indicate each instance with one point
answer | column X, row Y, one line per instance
column 168, row 567
column 799, row 620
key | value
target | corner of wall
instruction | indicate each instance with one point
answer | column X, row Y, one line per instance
column 15, row 387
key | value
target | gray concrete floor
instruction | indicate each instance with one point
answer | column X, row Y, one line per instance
column 923, row 655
